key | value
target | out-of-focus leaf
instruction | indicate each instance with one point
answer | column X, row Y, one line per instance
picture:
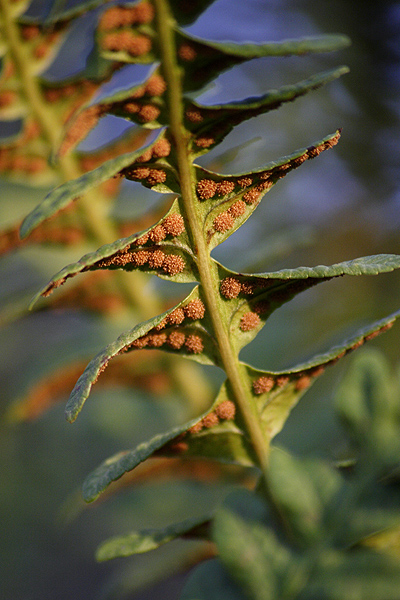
column 253, row 555
column 366, row 401
column 359, row 575
column 386, row 541
column 293, row 489
column 138, row 542
column 54, row 386
column 210, row 581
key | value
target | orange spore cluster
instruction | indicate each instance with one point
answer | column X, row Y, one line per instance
column 132, row 108
column 225, row 187
column 157, row 234
column 176, row 339
column 119, row 16
column 206, row 189
column 195, row 309
column 210, row 420
column 248, row 288
column 156, row 176
column 264, row 186
column 263, row 384
column 223, row 222
column 249, row 321
column 148, row 113
column 144, row 12
column 54, row 285
column 187, row 52
column 303, row 382
column 138, row 173
column 156, row 259
column 30, row 32
column 238, row 209
column 204, row 142
column 7, row 98
column 142, row 239
column 135, row 45
column 194, row 344
column 156, row 340
column 282, row 380
column 174, row 224
column 244, row 182
column 230, row 288
column 251, row 196
column 156, row 85
column 173, row 264
column 176, row 317
column 41, row 50
column 225, row 411
column 161, row 149
column 193, row 115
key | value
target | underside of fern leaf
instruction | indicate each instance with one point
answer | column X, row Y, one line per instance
column 225, row 310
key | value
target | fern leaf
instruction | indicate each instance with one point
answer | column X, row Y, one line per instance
column 212, row 123
column 138, row 542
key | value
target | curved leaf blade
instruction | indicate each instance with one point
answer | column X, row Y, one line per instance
column 277, row 393
column 208, row 58
column 114, row 467
column 214, row 435
column 211, row 124
column 249, row 300
column 176, row 263
column 226, row 202
column 182, row 329
column 139, row 542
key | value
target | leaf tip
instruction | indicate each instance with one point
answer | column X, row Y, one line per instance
column 344, row 40
column 70, row 416
column 27, row 226
column 34, row 300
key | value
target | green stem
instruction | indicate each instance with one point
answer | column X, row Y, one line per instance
column 207, row 271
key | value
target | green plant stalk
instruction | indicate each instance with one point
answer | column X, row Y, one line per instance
column 207, row 271
column 93, row 218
